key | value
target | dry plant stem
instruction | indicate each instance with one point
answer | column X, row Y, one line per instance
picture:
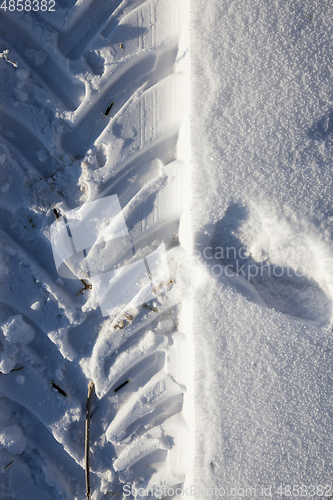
column 90, row 393
column 86, row 285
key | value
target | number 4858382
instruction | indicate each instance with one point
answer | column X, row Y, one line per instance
column 27, row 5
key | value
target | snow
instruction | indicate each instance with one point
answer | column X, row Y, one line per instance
column 166, row 232
column 65, row 149
column 12, row 439
column 20, row 379
column 17, row 331
column 21, row 74
column 262, row 215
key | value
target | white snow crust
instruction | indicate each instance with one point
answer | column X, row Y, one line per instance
column 262, row 187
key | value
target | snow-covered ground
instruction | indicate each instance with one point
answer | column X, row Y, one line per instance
column 262, row 211
column 165, row 199
column 94, row 147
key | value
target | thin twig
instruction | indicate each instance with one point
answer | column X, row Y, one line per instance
column 58, row 389
column 90, row 393
column 4, row 55
column 56, row 213
column 13, row 370
column 86, row 287
column 108, row 109
column 121, row 386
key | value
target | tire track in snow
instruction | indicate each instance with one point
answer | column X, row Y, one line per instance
column 44, row 170
column 164, row 148
column 134, row 429
column 34, row 431
column 116, row 20
column 81, row 30
column 40, row 274
column 131, row 77
column 27, row 143
column 45, row 67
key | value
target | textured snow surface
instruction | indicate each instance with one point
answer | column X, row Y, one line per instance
column 262, row 85
column 15, row 331
column 94, row 105
column 223, row 379
column 12, row 439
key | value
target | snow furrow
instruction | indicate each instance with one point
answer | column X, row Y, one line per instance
column 24, row 140
column 83, row 28
column 125, row 84
column 103, row 117
column 48, row 70
column 39, row 274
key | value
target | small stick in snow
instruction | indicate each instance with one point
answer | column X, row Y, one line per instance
column 4, row 55
column 108, row 109
column 120, row 325
column 58, row 389
column 88, row 405
column 121, row 386
column 151, row 308
column 14, row 370
column 56, row 213
column 10, row 463
column 86, row 287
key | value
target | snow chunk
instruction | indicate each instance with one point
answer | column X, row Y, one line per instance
column 166, row 325
column 20, row 379
column 21, row 74
column 12, row 439
column 17, row 331
column 8, row 358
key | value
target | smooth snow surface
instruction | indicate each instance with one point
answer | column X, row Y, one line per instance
column 262, row 138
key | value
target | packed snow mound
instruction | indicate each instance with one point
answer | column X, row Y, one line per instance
column 284, row 260
column 12, row 439
column 15, row 331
